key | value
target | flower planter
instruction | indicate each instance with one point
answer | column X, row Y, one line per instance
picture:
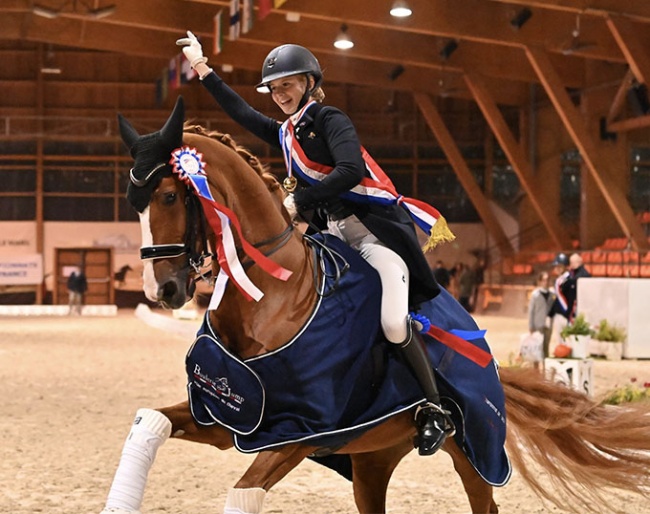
column 613, row 351
column 579, row 345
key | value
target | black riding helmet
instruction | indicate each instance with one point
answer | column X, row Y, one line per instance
column 561, row 259
column 286, row 60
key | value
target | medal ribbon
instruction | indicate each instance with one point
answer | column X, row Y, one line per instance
column 287, row 137
column 377, row 188
column 222, row 219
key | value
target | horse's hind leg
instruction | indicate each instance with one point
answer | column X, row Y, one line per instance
column 371, row 473
column 479, row 492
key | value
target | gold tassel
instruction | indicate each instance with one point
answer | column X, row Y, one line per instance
column 440, row 233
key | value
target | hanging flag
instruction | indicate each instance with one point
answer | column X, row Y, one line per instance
column 278, row 3
column 187, row 72
column 247, row 16
column 162, row 86
column 235, row 21
column 264, row 8
column 175, row 72
column 218, row 35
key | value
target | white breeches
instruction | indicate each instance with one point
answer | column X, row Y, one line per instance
column 393, row 273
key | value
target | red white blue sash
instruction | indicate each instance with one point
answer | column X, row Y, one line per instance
column 376, row 187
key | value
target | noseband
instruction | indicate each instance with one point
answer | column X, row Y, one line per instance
column 192, row 236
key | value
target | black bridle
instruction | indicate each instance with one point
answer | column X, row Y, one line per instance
column 194, row 233
column 197, row 233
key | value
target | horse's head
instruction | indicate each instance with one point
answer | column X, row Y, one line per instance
column 160, row 200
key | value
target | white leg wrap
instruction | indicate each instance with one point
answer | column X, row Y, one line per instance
column 245, row 501
column 150, row 430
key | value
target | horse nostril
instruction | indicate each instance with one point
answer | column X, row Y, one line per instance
column 168, row 290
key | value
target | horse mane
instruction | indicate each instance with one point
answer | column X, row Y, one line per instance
column 269, row 179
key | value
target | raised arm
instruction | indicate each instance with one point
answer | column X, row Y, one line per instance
column 264, row 127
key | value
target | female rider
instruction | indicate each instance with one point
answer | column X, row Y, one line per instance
column 324, row 138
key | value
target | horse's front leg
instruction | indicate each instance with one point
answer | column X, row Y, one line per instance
column 150, row 429
column 268, row 468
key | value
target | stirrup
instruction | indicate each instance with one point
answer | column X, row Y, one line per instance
column 433, row 430
column 450, row 428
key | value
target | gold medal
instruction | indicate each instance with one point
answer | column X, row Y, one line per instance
column 290, row 184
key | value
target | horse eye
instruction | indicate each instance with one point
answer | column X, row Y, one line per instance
column 169, row 198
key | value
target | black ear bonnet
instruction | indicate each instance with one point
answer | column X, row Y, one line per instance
column 151, row 154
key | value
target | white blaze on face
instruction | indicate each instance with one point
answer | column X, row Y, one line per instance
column 150, row 286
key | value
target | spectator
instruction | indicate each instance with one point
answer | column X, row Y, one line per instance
column 541, row 301
column 77, row 286
column 570, row 286
column 559, row 312
column 443, row 277
column 479, row 278
column 466, row 285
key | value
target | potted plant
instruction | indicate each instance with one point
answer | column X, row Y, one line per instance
column 577, row 335
column 609, row 339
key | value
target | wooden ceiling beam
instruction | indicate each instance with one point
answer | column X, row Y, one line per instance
column 628, row 36
column 466, row 19
column 632, row 9
column 464, row 174
column 419, row 50
column 620, row 97
column 595, row 158
column 629, row 124
column 246, row 55
column 516, row 157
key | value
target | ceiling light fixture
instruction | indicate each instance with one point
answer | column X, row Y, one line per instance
column 91, row 12
column 448, row 49
column 400, row 9
column 521, row 18
column 343, row 41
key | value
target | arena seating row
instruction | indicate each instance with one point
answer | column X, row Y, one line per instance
column 611, row 259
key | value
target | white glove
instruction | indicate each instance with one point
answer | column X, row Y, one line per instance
column 290, row 206
column 192, row 49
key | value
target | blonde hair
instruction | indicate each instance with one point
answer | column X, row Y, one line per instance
column 318, row 94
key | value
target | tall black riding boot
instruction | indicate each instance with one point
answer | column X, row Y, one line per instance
column 433, row 422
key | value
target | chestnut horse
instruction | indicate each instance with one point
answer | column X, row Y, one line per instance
column 577, row 444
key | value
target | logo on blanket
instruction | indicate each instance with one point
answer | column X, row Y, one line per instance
column 218, row 387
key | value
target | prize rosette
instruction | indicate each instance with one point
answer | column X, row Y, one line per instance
column 187, row 161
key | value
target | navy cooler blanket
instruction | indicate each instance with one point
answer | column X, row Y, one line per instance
column 322, row 387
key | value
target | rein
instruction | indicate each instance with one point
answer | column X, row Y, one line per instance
column 196, row 260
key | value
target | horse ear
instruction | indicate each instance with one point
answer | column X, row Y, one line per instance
column 128, row 133
column 172, row 132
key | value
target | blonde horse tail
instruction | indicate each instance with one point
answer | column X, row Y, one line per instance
column 581, row 445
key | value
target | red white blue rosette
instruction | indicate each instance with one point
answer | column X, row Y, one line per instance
column 187, row 161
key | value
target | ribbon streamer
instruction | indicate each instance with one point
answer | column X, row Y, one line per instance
column 188, row 165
